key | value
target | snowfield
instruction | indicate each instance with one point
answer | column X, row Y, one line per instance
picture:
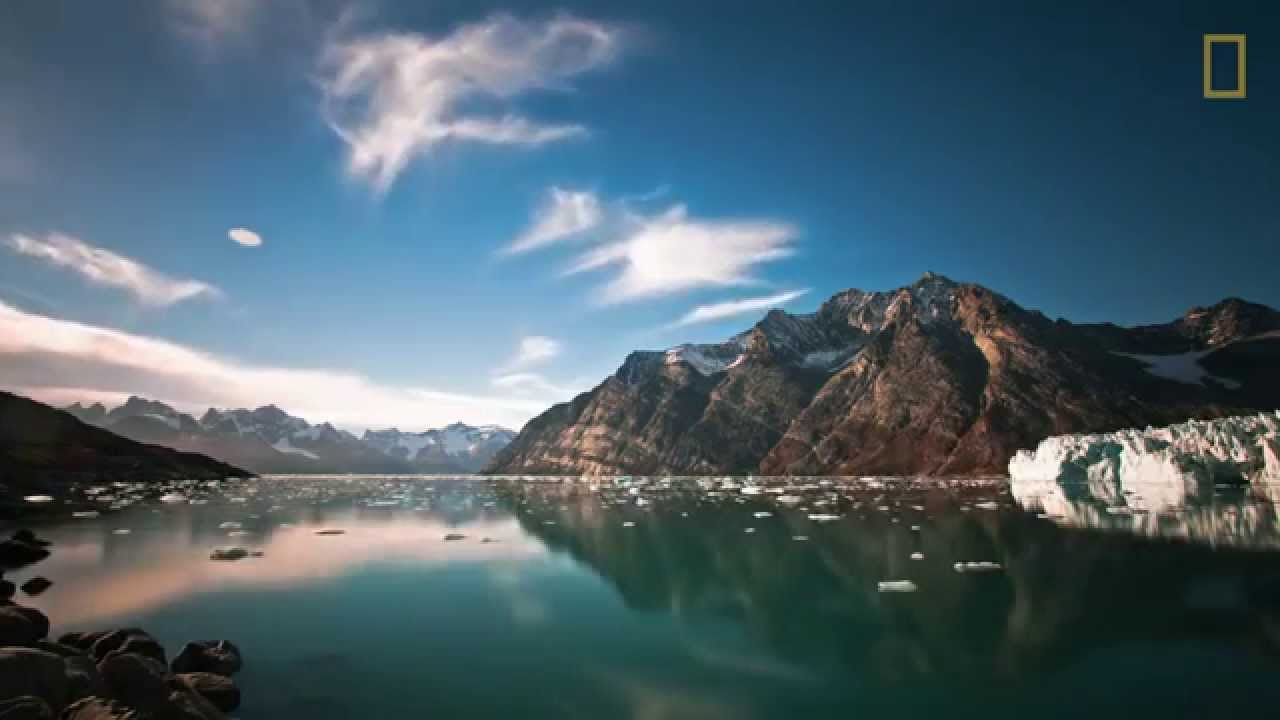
column 1148, row 470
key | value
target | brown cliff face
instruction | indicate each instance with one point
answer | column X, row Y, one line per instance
column 938, row 377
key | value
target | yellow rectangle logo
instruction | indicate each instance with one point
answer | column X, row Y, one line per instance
column 1225, row 39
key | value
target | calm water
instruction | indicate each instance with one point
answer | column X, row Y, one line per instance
column 568, row 612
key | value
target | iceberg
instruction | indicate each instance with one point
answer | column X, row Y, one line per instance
column 1152, row 470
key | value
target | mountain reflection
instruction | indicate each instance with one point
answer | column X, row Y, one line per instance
column 1062, row 593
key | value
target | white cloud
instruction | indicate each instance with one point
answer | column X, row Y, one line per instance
column 245, row 237
column 532, row 351
column 564, row 214
column 529, row 383
column 394, row 96
column 732, row 308
column 672, row 252
column 104, row 267
column 54, row 359
column 212, row 22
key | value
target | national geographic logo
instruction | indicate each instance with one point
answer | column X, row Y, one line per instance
column 1235, row 92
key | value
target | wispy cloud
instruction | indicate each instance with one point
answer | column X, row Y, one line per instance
column 673, row 252
column 533, row 350
column 245, row 237
column 212, row 22
column 49, row 357
column 394, row 96
column 733, row 308
column 564, row 214
column 529, row 383
column 104, row 267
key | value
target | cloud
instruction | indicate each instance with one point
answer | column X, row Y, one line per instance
column 533, row 350
column 212, row 22
column 51, row 358
column 732, row 308
column 103, row 267
column 672, row 252
column 394, row 96
column 564, row 214
column 245, row 237
column 530, row 383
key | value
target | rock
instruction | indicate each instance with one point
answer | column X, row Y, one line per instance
column 128, row 640
column 98, row 708
column 230, row 553
column 26, row 671
column 26, row 536
column 27, row 707
column 22, row 625
column 58, row 649
column 81, row 640
column 36, row 585
column 83, row 678
column 16, row 553
column 220, row 657
column 7, row 589
column 136, row 680
column 454, row 536
column 331, row 532
column 219, row 690
column 187, row 704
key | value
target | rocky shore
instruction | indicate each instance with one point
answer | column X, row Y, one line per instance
column 118, row 674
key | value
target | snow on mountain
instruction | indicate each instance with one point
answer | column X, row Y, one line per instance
column 462, row 446
column 1148, row 470
column 283, row 445
column 1181, row 367
column 706, row 359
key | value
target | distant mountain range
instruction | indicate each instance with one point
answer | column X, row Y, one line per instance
column 269, row 440
column 937, row 377
column 43, row 449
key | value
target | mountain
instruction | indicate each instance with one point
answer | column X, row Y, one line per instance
column 269, row 440
column 936, row 377
column 42, row 448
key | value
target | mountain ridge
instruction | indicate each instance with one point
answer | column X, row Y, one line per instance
column 934, row 377
column 269, row 440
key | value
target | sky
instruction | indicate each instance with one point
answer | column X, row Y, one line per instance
column 408, row 214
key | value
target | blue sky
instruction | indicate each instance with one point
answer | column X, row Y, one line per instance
column 643, row 160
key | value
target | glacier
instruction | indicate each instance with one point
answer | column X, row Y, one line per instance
column 1151, row 470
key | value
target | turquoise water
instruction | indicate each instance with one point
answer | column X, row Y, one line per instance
column 569, row 612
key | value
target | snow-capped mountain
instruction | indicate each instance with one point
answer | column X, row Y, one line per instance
column 269, row 440
column 937, row 377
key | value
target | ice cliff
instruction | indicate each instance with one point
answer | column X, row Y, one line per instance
column 1149, row 470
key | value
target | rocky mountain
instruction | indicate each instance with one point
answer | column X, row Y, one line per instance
column 269, row 440
column 42, row 449
column 936, row 377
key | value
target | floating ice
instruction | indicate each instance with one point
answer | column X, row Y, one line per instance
column 39, row 499
column 823, row 517
column 917, row 556
column 979, row 566
column 173, row 498
column 762, row 514
column 85, row 514
column 229, row 525
column 897, row 586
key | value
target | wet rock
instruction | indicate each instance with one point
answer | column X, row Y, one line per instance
column 26, row 671
column 331, row 532
column 27, row 707
column 16, row 553
column 230, row 553
column 136, row 680
column 58, row 649
column 128, row 640
column 36, row 585
column 187, row 704
column 98, row 708
column 22, row 625
column 26, row 536
column 83, row 678
column 7, row 589
column 82, row 640
column 220, row 657
column 219, row 690
column 451, row 537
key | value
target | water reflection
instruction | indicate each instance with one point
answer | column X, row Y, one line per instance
column 1062, row 594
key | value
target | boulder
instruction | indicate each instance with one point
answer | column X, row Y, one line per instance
column 229, row 553
column 220, row 657
column 27, row 707
column 98, row 708
column 22, row 625
column 36, row 585
column 7, row 589
column 82, row 640
column 187, row 704
column 83, row 678
column 26, row 671
column 26, row 536
column 16, row 553
column 58, row 649
column 128, row 640
column 219, row 690
column 136, row 680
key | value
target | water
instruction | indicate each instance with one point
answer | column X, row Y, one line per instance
column 568, row 613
